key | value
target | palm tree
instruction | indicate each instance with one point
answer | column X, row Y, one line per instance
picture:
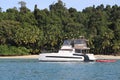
column 106, row 41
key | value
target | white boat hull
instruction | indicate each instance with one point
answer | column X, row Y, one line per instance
column 62, row 57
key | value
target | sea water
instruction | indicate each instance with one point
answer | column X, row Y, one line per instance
column 31, row 69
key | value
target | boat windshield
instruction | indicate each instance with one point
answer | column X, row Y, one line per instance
column 67, row 42
column 79, row 41
column 76, row 41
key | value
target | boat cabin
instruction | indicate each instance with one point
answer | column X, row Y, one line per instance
column 76, row 46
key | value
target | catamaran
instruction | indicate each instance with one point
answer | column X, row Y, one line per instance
column 74, row 50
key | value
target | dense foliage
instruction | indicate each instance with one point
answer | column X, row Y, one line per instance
column 45, row 30
column 6, row 50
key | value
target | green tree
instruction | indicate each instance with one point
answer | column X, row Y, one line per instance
column 7, row 31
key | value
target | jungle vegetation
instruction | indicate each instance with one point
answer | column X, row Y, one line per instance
column 23, row 31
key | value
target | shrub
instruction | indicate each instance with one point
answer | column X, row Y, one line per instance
column 6, row 50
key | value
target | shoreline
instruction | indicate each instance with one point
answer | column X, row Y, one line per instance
column 37, row 56
column 20, row 57
column 107, row 57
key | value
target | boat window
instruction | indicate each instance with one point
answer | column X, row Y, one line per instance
column 67, row 42
column 79, row 41
column 78, row 51
column 84, row 51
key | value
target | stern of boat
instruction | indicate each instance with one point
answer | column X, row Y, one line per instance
column 91, row 57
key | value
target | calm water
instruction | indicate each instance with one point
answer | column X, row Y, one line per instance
column 18, row 69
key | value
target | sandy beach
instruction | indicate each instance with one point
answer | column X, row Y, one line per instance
column 37, row 56
column 107, row 57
